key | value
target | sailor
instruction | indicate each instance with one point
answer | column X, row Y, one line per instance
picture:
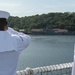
column 11, row 45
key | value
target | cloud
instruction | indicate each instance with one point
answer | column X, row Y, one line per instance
column 32, row 7
column 12, row 8
column 8, row 4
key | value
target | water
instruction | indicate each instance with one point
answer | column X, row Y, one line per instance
column 47, row 50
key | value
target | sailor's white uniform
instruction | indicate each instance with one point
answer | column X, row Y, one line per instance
column 11, row 45
column 73, row 68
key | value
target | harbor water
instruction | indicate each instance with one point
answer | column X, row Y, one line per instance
column 45, row 50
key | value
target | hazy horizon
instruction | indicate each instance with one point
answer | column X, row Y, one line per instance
column 23, row 8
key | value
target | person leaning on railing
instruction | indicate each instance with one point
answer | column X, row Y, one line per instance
column 11, row 45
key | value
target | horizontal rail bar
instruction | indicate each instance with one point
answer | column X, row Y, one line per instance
column 33, row 71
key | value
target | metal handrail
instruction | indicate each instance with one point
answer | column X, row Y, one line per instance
column 34, row 71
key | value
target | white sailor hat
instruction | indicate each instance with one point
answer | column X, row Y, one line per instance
column 4, row 14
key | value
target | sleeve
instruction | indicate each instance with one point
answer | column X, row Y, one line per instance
column 23, row 40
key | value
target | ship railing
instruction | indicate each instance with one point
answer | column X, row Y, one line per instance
column 58, row 69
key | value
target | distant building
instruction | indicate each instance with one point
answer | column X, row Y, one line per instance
column 57, row 30
column 21, row 30
column 37, row 31
column 49, row 31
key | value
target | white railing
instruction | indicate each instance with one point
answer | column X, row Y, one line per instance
column 41, row 70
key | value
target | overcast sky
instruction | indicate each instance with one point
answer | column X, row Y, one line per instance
column 32, row 7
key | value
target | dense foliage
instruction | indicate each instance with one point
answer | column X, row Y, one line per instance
column 64, row 20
